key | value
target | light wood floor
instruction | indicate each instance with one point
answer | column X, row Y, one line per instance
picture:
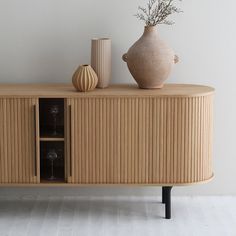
column 40, row 216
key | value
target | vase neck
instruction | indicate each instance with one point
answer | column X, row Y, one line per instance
column 150, row 30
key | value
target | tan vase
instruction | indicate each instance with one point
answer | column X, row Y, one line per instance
column 150, row 60
column 85, row 78
column 101, row 60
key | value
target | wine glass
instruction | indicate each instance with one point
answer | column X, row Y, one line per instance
column 54, row 111
column 52, row 156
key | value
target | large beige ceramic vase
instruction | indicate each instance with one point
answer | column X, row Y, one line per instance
column 150, row 60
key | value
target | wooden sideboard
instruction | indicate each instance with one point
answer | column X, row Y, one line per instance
column 116, row 136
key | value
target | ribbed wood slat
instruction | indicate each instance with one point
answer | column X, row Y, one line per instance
column 143, row 140
column 17, row 141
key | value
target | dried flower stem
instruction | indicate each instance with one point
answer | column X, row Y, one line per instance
column 157, row 12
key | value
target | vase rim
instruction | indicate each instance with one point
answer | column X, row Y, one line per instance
column 100, row 39
column 151, row 27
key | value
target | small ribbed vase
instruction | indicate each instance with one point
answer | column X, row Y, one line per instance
column 85, row 78
column 101, row 60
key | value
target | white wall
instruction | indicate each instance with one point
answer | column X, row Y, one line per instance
column 45, row 40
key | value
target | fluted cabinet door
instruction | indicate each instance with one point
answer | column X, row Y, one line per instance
column 182, row 139
column 136, row 140
column 17, row 140
column 141, row 140
column 95, row 142
column 111, row 140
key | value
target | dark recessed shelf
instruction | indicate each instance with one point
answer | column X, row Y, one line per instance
column 52, row 160
column 51, row 117
column 47, row 131
column 51, row 139
column 58, row 181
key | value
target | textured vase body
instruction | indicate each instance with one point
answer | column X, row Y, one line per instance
column 150, row 60
column 101, row 61
column 85, row 78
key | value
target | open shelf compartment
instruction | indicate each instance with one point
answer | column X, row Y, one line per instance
column 52, row 143
column 51, row 117
column 52, row 162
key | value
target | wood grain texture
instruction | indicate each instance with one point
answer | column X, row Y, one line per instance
column 166, row 140
column 117, row 136
column 17, row 141
column 125, row 90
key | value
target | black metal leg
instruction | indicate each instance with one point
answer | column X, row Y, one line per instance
column 166, row 198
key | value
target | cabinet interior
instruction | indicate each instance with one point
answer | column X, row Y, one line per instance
column 47, row 121
column 46, row 164
column 52, row 139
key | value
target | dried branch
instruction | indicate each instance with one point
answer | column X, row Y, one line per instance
column 157, row 12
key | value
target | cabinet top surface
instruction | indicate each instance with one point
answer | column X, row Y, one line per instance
column 67, row 90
